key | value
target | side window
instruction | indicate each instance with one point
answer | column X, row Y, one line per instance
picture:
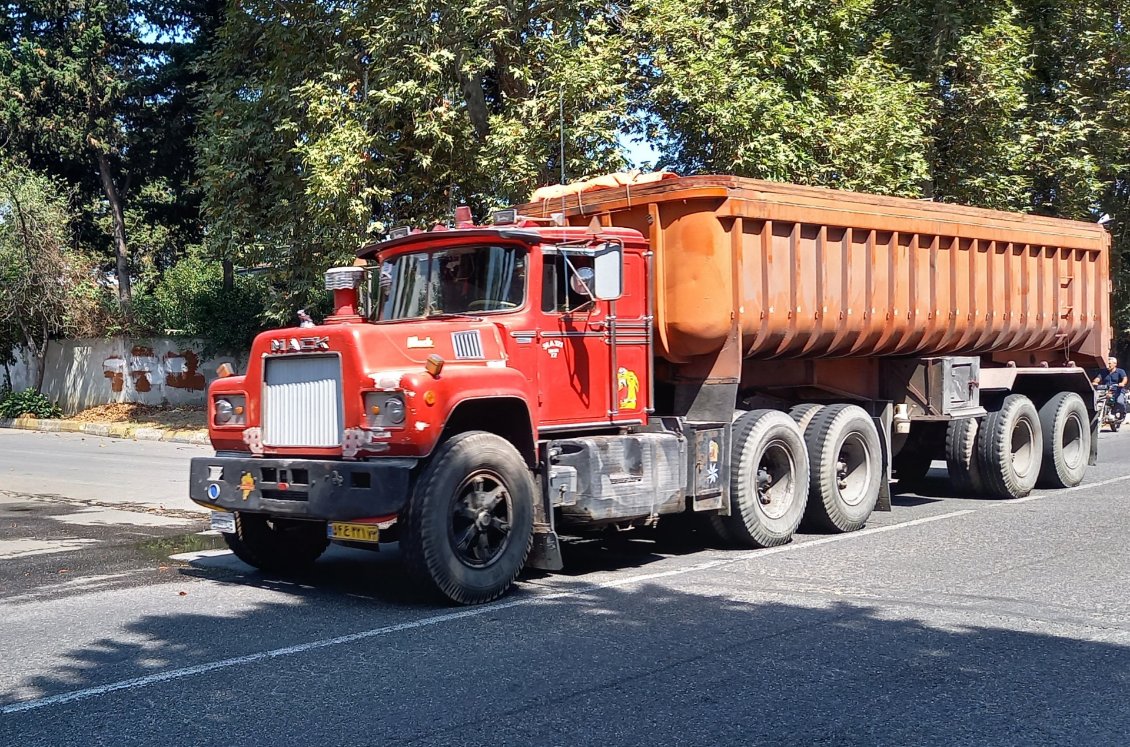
column 564, row 282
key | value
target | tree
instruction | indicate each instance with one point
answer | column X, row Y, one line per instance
column 45, row 289
column 329, row 122
column 100, row 94
column 789, row 90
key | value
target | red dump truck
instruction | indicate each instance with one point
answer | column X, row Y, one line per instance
column 752, row 353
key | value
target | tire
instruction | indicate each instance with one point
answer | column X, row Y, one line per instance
column 277, row 545
column 768, row 481
column 845, row 468
column 1010, row 447
column 468, row 526
column 1066, row 427
column 804, row 413
column 961, row 456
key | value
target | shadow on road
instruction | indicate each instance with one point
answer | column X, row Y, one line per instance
column 600, row 666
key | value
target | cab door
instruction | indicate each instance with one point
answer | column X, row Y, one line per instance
column 592, row 369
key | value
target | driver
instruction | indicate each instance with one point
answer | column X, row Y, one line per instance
column 460, row 286
column 1114, row 378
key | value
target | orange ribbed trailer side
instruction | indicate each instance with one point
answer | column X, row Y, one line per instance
column 816, row 273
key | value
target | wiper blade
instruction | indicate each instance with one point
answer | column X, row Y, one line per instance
column 454, row 315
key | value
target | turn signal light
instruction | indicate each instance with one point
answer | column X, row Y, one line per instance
column 429, row 397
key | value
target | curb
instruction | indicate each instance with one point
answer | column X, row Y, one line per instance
column 109, row 430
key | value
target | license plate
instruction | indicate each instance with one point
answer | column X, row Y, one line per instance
column 224, row 522
column 343, row 530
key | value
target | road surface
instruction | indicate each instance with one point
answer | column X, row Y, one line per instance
column 949, row 620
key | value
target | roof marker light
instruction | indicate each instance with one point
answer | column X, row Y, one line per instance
column 505, row 217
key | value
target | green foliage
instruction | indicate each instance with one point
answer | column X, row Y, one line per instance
column 281, row 135
column 46, row 289
column 28, row 402
column 328, row 122
column 789, row 90
column 99, row 94
column 189, row 300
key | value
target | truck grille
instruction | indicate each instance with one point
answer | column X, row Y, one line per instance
column 302, row 401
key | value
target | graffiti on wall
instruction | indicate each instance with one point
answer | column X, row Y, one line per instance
column 177, row 369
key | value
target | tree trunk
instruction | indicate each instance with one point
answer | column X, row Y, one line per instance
column 229, row 275
column 36, row 349
column 475, row 99
column 121, row 250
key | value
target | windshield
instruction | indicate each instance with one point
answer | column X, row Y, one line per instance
column 459, row 280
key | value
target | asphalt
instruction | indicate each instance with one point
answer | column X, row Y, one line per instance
column 949, row 620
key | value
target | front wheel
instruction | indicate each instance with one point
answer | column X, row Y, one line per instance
column 469, row 523
column 278, row 545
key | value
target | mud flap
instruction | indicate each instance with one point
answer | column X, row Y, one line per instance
column 545, row 554
column 884, row 423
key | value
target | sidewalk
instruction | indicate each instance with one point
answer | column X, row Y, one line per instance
column 111, row 430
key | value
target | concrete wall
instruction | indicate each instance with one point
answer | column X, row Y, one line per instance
column 19, row 375
column 159, row 371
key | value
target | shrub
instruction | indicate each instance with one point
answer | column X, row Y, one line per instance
column 189, row 300
column 28, row 402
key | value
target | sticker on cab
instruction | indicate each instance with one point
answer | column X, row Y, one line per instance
column 629, row 386
column 246, row 484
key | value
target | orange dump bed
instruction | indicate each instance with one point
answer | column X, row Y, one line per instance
column 810, row 272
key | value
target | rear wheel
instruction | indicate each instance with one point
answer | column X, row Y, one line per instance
column 1066, row 427
column 804, row 413
column 1010, row 446
column 845, row 468
column 961, row 456
column 468, row 526
column 279, row 545
column 768, row 481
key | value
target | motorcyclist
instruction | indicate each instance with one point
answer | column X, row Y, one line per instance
column 1115, row 379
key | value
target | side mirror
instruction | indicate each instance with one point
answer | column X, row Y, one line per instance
column 608, row 268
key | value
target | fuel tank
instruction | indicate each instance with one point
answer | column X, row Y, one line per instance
column 807, row 272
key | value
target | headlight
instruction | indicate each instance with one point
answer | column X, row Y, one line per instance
column 229, row 411
column 384, row 410
column 394, row 410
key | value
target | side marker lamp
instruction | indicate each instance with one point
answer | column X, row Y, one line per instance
column 433, row 365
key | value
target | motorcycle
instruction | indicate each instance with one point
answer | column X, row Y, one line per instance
column 1104, row 406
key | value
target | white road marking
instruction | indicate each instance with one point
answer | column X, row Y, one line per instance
column 175, row 674
column 1053, row 494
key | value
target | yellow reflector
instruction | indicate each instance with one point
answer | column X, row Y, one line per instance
column 429, row 398
column 239, row 409
column 376, row 409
